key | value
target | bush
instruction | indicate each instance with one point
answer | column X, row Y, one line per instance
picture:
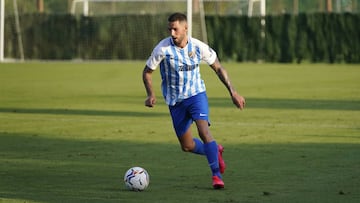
column 319, row 37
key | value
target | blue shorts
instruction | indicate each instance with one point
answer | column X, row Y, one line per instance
column 189, row 110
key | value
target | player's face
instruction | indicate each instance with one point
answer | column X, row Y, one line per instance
column 178, row 32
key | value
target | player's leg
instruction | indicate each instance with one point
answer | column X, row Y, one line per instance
column 183, row 114
column 182, row 124
column 205, row 135
column 212, row 153
column 200, row 114
column 209, row 148
column 190, row 144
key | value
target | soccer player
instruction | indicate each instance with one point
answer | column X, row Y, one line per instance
column 179, row 57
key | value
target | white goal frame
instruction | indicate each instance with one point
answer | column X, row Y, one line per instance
column 2, row 32
column 262, row 7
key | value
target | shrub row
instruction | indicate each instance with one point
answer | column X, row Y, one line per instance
column 331, row 38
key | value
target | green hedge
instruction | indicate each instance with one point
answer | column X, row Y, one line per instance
column 119, row 37
column 319, row 37
column 331, row 38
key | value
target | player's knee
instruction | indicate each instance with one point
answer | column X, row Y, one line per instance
column 186, row 148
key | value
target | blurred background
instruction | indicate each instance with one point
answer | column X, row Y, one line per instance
column 273, row 7
column 285, row 31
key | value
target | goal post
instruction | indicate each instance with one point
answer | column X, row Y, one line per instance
column 189, row 16
column 2, row 27
column 17, row 34
column 252, row 5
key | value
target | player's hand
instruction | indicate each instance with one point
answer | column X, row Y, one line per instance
column 238, row 100
column 150, row 101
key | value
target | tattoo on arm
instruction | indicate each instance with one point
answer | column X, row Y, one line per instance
column 223, row 76
column 147, row 79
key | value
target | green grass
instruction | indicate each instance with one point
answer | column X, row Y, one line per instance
column 69, row 132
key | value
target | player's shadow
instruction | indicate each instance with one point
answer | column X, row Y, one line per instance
column 271, row 103
column 46, row 168
column 85, row 112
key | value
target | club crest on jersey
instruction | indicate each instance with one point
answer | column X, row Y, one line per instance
column 191, row 54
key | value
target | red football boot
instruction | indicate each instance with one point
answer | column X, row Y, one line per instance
column 222, row 164
column 217, row 182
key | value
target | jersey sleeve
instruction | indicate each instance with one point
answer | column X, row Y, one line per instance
column 208, row 54
column 156, row 57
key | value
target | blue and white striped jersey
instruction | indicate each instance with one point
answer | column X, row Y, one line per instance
column 180, row 68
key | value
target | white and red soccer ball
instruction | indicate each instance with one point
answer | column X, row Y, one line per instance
column 136, row 179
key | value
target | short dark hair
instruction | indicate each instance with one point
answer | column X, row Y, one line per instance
column 177, row 17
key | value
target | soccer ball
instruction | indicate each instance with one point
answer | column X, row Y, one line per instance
column 136, row 179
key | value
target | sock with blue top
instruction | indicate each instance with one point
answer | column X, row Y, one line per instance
column 199, row 147
column 211, row 151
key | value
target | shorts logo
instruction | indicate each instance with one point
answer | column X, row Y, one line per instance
column 203, row 114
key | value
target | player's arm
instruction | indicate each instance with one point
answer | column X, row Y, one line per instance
column 147, row 79
column 237, row 99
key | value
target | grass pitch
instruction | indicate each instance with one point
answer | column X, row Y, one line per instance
column 69, row 132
